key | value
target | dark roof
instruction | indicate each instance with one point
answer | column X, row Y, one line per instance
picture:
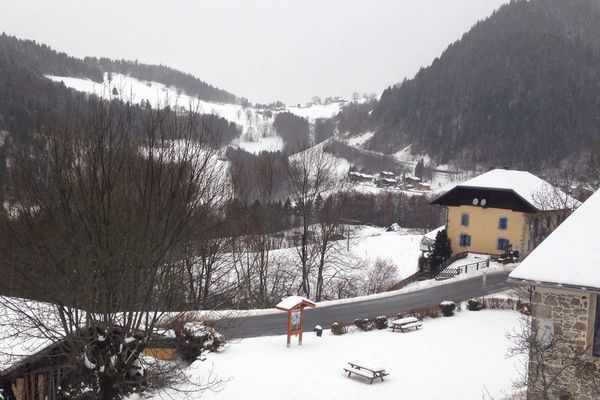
column 494, row 198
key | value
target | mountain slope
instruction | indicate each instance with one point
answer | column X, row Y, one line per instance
column 42, row 60
column 521, row 88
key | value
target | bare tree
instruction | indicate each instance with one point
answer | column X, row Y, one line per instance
column 551, row 359
column 554, row 204
column 380, row 277
column 331, row 261
column 103, row 200
column 311, row 173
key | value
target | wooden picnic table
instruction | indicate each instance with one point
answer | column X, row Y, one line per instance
column 367, row 372
column 405, row 323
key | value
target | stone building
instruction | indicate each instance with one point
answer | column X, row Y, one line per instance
column 563, row 276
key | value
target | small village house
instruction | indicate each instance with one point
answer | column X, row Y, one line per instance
column 503, row 210
column 360, row 177
column 563, row 276
column 411, row 180
column 39, row 369
column 423, row 187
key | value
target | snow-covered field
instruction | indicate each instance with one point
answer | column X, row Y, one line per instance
column 401, row 248
column 460, row 357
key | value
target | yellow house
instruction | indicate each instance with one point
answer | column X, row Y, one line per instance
column 503, row 209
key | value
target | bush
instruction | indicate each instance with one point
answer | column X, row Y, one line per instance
column 447, row 307
column 363, row 324
column 523, row 307
column 338, row 329
column 381, row 322
column 426, row 312
column 474, row 305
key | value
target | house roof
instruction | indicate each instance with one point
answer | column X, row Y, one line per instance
column 534, row 191
column 292, row 302
column 570, row 256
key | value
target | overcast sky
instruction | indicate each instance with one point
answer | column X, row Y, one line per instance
column 264, row 50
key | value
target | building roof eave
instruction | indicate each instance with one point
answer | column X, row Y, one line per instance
column 553, row 285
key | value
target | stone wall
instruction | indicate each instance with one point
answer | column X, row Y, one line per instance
column 572, row 314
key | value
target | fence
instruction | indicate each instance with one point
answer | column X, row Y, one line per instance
column 412, row 278
column 462, row 269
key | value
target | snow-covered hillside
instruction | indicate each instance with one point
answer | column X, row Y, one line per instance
column 256, row 124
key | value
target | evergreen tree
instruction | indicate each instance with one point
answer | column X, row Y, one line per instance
column 442, row 249
column 419, row 169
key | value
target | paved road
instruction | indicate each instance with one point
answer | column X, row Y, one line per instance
column 275, row 324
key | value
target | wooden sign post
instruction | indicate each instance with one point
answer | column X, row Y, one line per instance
column 294, row 306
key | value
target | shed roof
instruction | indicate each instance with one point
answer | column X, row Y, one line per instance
column 570, row 256
column 292, row 302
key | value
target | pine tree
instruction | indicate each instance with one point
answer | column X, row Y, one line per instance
column 442, row 249
column 419, row 169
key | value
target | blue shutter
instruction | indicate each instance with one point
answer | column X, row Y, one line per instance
column 502, row 223
column 464, row 219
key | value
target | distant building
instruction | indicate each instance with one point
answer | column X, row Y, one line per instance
column 503, row 210
column 563, row 275
column 411, row 180
column 424, row 187
column 387, row 174
column 580, row 192
column 386, row 182
column 360, row 177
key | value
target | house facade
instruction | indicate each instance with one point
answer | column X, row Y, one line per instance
column 501, row 210
column 563, row 277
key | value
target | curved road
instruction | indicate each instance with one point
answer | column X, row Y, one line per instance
column 275, row 324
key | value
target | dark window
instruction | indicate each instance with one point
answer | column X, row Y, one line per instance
column 503, row 223
column 596, row 344
column 465, row 240
column 503, row 244
column 464, row 219
column 548, row 222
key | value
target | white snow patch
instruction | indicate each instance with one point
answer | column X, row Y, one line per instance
column 358, row 141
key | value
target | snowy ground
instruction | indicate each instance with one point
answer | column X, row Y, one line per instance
column 401, row 248
column 449, row 358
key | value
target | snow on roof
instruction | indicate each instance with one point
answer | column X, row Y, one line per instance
column 569, row 256
column 293, row 301
column 432, row 234
column 22, row 337
column 536, row 191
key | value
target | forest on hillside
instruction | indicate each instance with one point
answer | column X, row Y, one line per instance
column 40, row 59
column 521, row 88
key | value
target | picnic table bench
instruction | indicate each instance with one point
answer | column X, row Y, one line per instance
column 405, row 323
column 367, row 372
